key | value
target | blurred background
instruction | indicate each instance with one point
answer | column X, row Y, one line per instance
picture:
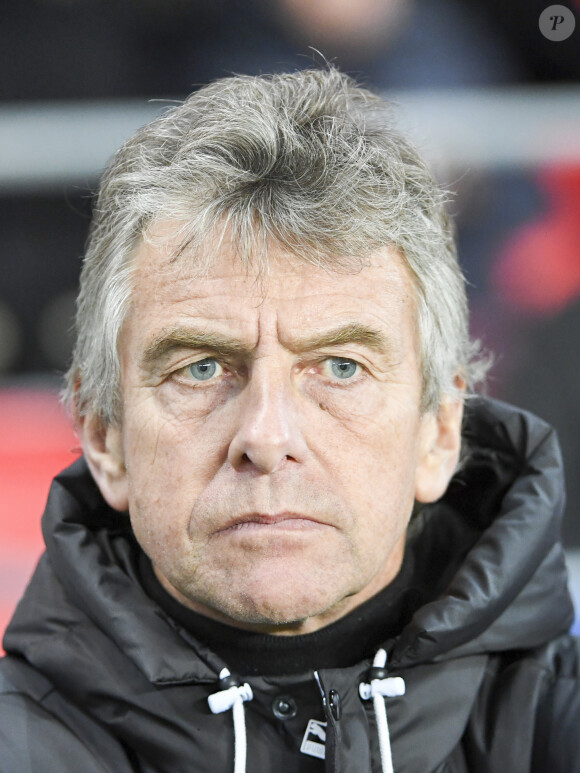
column 493, row 102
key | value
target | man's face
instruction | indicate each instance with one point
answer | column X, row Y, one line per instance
column 272, row 442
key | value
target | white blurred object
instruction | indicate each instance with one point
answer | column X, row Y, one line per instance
column 573, row 561
column 52, row 144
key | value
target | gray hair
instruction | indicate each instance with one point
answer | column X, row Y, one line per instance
column 310, row 160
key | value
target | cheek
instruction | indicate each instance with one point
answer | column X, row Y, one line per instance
column 169, row 462
column 371, row 453
column 374, row 424
column 160, row 433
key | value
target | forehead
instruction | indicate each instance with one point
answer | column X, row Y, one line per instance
column 166, row 283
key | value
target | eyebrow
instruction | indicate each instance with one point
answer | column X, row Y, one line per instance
column 350, row 333
column 225, row 347
column 176, row 338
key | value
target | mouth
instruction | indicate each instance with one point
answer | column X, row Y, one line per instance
column 278, row 521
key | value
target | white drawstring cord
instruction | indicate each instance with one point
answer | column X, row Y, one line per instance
column 378, row 690
column 233, row 698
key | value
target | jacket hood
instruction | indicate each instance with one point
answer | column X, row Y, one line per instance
column 501, row 517
column 490, row 547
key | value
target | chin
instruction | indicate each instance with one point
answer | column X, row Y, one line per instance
column 267, row 610
column 273, row 594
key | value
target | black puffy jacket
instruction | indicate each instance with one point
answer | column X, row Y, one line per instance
column 98, row 678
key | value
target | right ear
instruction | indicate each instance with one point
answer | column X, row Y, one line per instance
column 103, row 449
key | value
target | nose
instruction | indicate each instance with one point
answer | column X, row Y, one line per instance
column 268, row 433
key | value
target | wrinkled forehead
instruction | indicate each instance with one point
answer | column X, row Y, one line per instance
column 166, row 253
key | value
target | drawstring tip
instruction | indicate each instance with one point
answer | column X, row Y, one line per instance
column 232, row 696
column 225, row 699
column 379, row 687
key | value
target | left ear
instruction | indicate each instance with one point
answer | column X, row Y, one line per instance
column 440, row 444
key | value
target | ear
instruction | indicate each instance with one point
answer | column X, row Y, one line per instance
column 440, row 445
column 103, row 450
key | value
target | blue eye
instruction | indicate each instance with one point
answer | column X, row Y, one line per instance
column 203, row 370
column 342, row 368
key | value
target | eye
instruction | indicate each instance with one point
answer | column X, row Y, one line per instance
column 204, row 370
column 343, row 368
